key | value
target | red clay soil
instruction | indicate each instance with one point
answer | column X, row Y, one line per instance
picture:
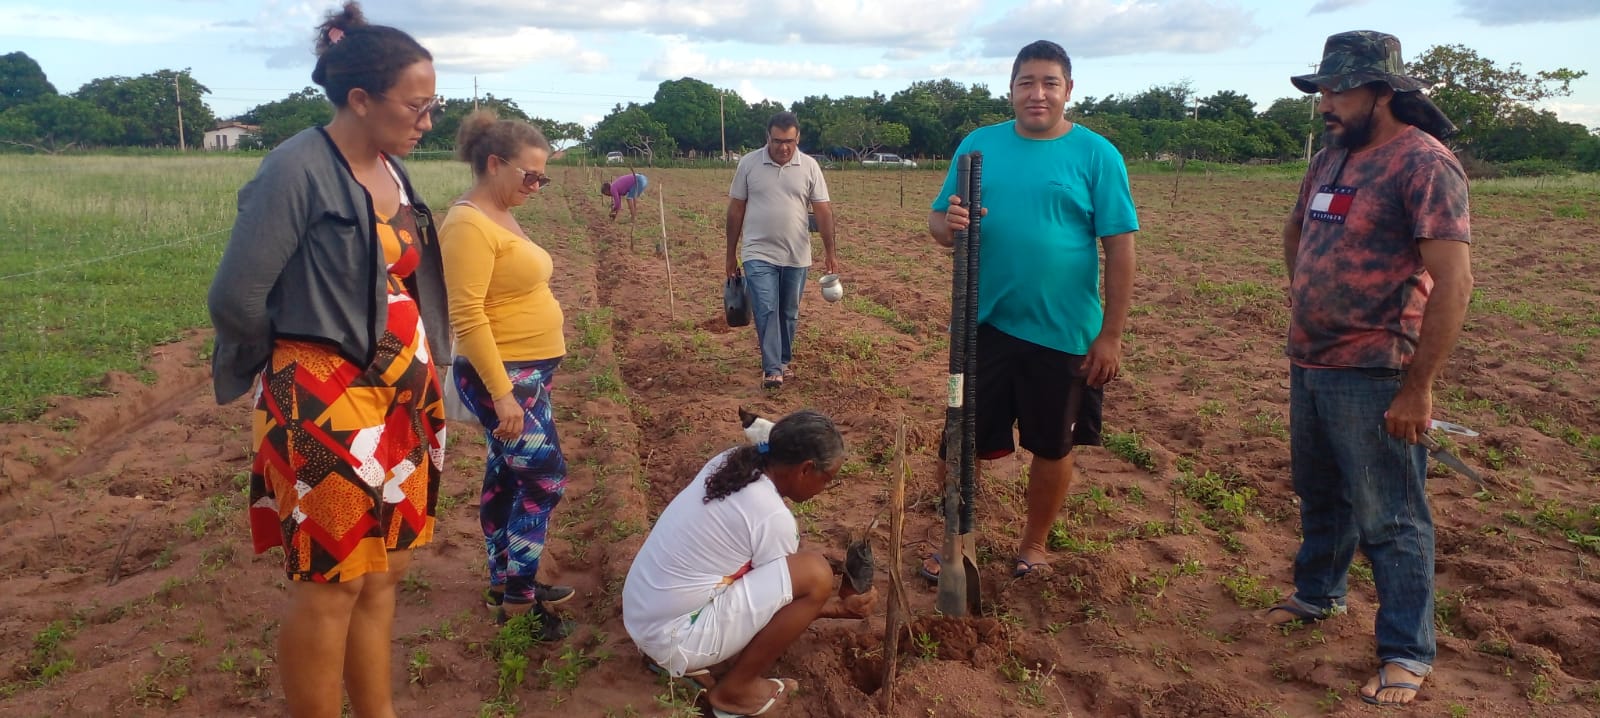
column 130, row 589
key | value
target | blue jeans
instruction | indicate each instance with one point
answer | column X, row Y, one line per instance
column 1359, row 486
column 775, row 309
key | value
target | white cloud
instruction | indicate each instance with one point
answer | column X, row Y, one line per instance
column 681, row 59
column 1099, row 28
column 753, row 94
column 873, row 72
column 1584, row 114
column 865, row 23
column 903, row 53
column 1520, row 12
column 487, row 52
column 1325, row 6
column 104, row 29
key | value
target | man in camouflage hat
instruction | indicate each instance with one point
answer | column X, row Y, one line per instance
column 1378, row 252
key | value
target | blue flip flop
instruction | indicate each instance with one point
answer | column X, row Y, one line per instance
column 927, row 575
column 1022, row 567
column 1384, row 684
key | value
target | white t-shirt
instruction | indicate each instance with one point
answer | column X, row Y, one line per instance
column 696, row 550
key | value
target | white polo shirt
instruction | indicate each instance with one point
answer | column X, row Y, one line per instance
column 775, row 227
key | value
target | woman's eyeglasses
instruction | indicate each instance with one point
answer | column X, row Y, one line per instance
column 433, row 109
column 530, row 178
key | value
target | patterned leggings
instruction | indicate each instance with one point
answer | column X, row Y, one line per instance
column 523, row 478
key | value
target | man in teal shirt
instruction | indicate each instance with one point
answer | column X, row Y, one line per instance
column 1046, row 346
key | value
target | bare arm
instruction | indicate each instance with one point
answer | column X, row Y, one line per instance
column 1104, row 360
column 1120, row 263
column 734, row 228
column 824, row 212
column 1450, row 264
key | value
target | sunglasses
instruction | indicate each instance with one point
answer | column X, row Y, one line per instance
column 433, row 109
column 530, row 178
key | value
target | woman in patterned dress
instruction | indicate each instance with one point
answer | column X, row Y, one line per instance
column 509, row 343
column 329, row 300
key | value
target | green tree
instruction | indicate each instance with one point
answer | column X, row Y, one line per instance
column 1528, row 134
column 862, row 135
column 560, row 134
column 1479, row 95
column 631, row 128
column 22, row 81
column 688, row 109
column 281, row 119
column 56, row 123
column 148, row 110
column 443, row 134
column 1227, row 105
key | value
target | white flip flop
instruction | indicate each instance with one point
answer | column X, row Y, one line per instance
column 719, row 713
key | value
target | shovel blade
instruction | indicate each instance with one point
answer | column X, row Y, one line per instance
column 969, row 564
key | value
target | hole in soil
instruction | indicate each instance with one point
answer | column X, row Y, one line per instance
column 925, row 638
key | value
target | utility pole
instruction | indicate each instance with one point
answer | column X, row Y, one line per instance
column 474, row 93
column 178, row 95
column 1310, row 134
column 722, row 122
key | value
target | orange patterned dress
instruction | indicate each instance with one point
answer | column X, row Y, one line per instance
column 348, row 458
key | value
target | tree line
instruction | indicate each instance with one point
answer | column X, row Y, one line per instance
column 687, row 117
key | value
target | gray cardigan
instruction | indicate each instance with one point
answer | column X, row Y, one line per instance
column 304, row 263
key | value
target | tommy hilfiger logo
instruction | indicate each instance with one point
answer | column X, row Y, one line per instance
column 1332, row 203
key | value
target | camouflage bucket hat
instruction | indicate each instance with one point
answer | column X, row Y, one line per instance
column 1352, row 59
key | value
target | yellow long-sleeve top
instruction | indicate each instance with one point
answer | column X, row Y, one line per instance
column 501, row 307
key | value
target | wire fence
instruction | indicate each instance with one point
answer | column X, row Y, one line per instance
column 109, row 257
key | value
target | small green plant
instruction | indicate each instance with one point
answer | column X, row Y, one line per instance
column 163, row 685
column 1063, row 538
column 1541, row 689
column 1361, row 571
column 1226, row 499
column 1457, row 710
column 1248, row 592
column 927, row 646
column 1130, row 449
column 49, row 659
column 563, row 671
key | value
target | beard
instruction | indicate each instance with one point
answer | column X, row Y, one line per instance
column 1355, row 135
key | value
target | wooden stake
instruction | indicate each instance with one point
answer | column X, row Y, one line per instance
column 661, row 201
column 898, row 610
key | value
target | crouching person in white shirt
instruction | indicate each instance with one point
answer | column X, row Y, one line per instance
column 721, row 577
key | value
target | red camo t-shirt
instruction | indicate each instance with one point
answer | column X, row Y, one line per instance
column 1359, row 285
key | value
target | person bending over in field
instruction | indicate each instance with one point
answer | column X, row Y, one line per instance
column 722, row 576
column 627, row 187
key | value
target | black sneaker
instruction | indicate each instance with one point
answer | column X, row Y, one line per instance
column 543, row 592
column 552, row 595
column 546, row 625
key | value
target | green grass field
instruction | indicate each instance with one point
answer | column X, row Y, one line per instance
column 105, row 257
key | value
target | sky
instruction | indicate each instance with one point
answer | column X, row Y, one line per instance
column 570, row 60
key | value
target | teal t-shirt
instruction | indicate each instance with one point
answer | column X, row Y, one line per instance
column 1049, row 201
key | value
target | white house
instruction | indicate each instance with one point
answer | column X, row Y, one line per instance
column 225, row 136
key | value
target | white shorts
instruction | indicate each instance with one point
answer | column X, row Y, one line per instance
column 725, row 626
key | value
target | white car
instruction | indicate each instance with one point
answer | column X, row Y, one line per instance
column 614, row 158
column 885, row 159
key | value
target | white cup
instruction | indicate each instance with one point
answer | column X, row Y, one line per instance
column 832, row 288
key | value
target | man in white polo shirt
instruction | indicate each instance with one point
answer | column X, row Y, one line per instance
column 767, row 210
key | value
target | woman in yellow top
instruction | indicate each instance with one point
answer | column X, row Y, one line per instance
column 508, row 344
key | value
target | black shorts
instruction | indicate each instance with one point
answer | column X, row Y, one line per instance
column 1038, row 390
